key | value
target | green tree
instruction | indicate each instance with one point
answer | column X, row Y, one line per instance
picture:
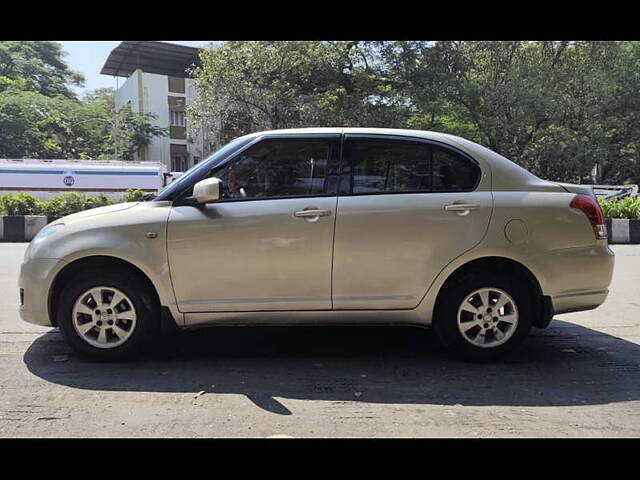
column 560, row 108
column 249, row 86
column 135, row 130
column 38, row 66
column 33, row 125
column 553, row 107
column 25, row 125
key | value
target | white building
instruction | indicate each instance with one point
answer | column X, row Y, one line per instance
column 157, row 82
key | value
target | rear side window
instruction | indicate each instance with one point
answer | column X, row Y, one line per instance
column 453, row 172
column 380, row 166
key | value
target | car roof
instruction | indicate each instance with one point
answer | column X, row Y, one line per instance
column 357, row 130
column 463, row 144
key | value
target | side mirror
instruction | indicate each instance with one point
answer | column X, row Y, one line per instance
column 207, row 190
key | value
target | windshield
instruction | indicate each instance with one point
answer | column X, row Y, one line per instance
column 205, row 165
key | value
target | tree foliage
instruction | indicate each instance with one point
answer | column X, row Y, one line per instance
column 559, row 109
column 134, row 131
column 33, row 125
column 37, row 66
column 248, row 86
column 41, row 116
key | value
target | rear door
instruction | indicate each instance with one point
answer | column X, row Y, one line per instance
column 406, row 208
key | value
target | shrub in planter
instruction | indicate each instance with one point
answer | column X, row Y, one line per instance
column 66, row 204
column 21, row 203
column 133, row 195
column 53, row 206
column 98, row 201
column 628, row 207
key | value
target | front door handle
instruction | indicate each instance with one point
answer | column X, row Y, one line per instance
column 461, row 207
column 312, row 213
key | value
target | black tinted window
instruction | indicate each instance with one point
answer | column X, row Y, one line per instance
column 453, row 172
column 381, row 166
column 276, row 168
column 200, row 169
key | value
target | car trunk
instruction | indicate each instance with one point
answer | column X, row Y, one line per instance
column 575, row 188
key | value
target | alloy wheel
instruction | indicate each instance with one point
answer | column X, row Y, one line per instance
column 487, row 317
column 104, row 317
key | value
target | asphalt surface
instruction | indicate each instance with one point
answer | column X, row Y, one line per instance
column 578, row 378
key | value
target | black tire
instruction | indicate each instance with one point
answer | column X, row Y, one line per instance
column 146, row 328
column 445, row 321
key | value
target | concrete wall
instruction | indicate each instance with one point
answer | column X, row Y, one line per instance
column 155, row 93
column 128, row 92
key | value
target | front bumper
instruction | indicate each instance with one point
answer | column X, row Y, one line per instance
column 36, row 277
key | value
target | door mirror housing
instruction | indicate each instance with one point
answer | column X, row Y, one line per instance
column 207, row 190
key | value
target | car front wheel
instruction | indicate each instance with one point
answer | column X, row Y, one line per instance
column 107, row 315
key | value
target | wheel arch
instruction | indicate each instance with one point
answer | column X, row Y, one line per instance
column 93, row 262
column 542, row 304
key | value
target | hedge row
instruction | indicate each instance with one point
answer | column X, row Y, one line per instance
column 628, row 207
column 26, row 204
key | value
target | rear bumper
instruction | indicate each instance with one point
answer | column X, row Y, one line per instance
column 577, row 278
column 578, row 302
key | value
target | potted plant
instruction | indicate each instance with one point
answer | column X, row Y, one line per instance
column 622, row 218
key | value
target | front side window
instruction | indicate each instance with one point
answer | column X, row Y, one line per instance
column 199, row 171
column 276, row 168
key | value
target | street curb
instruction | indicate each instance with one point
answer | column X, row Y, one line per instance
column 22, row 228
column 622, row 230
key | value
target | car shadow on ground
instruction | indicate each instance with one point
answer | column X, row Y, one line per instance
column 564, row 365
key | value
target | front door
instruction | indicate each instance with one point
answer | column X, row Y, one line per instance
column 267, row 244
column 400, row 220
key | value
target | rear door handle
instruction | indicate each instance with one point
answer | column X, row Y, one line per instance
column 461, row 207
column 312, row 213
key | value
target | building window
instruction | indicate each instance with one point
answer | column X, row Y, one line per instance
column 176, row 84
column 178, row 163
column 179, row 158
column 177, row 118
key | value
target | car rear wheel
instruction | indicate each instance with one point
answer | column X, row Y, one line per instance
column 482, row 316
column 108, row 315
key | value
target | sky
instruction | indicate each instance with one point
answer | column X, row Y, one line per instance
column 89, row 57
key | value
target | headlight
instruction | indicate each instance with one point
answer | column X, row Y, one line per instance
column 40, row 237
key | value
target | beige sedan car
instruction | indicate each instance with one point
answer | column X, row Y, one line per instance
column 326, row 226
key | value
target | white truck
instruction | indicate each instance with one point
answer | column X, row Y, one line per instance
column 46, row 178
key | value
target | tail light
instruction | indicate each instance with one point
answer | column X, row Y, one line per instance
column 590, row 207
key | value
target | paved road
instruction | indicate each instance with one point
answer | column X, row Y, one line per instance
column 579, row 377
